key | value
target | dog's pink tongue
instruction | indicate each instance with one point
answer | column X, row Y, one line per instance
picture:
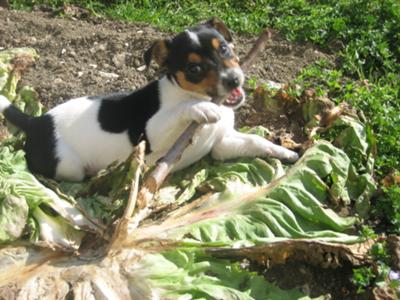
column 234, row 96
column 236, row 93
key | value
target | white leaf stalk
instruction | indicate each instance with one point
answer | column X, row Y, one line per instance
column 56, row 233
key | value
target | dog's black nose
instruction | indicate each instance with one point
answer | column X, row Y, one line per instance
column 231, row 82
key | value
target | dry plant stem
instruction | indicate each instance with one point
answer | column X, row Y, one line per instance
column 319, row 253
column 164, row 166
column 121, row 230
column 140, row 153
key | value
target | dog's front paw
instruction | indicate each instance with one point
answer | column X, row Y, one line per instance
column 204, row 112
column 291, row 156
column 285, row 155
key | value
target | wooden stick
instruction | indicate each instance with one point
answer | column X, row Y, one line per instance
column 258, row 47
column 122, row 229
column 155, row 179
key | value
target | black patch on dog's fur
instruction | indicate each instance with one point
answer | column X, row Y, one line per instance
column 18, row 118
column 40, row 140
column 40, row 146
column 130, row 112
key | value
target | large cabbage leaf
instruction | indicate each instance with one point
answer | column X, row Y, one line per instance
column 295, row 205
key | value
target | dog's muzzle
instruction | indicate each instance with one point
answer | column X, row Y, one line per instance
column 232, row 82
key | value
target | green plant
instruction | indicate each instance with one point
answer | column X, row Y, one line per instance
column 387, row 208
column 366, row 32
column 363, row 278
column 367, row 232
column 377, row 101
column 377, row 274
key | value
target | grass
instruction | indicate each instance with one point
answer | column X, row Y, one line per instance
column 366, row 31
column 365, row 34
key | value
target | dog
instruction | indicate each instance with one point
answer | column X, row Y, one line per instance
column 78, row 138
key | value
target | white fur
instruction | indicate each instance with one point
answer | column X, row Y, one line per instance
column 238, row 72
column 4, row 103
column 236, row 144
column 193, row 36
column 82, row 146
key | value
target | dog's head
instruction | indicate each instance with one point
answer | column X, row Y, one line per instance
column 201, row 60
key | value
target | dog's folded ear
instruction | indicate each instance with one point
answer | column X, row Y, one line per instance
column 158, row 51
column 221, row 28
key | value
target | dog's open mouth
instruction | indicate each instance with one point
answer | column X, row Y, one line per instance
column 234, row 98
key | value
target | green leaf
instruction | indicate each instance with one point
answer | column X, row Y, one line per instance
column 191, row 274
column 295, row 205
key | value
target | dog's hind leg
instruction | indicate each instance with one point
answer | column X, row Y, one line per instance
column 70, row 167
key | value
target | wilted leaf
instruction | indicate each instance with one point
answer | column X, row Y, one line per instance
column 242, row 205
column 13, row 216
column 12, row 63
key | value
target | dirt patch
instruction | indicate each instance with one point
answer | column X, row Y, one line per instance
column 93, row 56
column 314, row 281
column 77, row 57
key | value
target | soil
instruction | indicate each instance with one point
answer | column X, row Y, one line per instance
column 313, row 280
column 91, row 56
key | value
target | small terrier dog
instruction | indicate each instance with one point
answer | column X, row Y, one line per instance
column 84, row 135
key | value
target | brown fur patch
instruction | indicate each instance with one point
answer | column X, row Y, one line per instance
column 160, row 52
column 231, row 63
column 194, row 58
column 215, row 43
column 204, row 87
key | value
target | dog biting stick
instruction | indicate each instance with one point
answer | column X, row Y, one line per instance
column 155, row 179
column 164, row 166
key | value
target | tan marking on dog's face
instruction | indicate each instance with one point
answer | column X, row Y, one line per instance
column 194, row 58
column 231, row 63
column 215, row 43
column 207, row 86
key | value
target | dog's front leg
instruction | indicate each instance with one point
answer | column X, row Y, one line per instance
column 235, row 144
column 165, row 127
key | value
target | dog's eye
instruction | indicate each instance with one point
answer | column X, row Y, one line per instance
column 194, row 69
column 224, row 49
